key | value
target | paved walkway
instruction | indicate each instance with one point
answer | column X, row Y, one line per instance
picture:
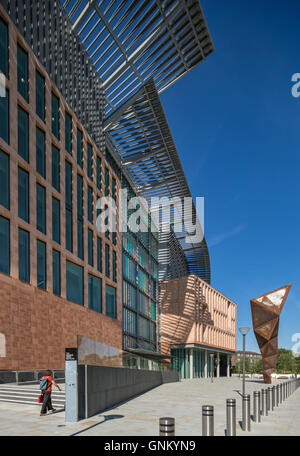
column 137, row 417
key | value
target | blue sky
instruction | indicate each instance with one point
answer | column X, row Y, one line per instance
column 237, row 130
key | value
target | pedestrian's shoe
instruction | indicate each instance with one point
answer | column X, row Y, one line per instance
column 43, row 414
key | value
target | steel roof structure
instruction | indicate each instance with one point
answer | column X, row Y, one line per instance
column 140, row 48
column 143, row 138
column 132, row 41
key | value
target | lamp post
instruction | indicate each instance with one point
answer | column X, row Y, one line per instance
column 212, row 366
column 244, row 332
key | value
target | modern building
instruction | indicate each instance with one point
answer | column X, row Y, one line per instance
column 81, row 119
column 198, row 327
column 252, row 357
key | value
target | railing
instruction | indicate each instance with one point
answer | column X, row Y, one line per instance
column 21, row 377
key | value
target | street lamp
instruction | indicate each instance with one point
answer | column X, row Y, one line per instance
column 212, row 366
column 244, row 332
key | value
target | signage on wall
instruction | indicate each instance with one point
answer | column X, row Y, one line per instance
column 71, row 354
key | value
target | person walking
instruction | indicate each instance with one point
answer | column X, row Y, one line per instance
column 47, row 403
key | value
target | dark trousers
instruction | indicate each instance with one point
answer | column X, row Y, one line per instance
column 47, row 404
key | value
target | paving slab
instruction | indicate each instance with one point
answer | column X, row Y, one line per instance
column 140, row 416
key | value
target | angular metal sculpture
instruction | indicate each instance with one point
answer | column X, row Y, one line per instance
column 266, row 310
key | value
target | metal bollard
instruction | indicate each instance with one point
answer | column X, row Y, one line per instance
column 277, row 395
column 273, row 397
column 264, row 405
column 167, row 426
column 246, row 413
column 231, row 417
column 207, row 420
column 270, row 398
column 256, row 400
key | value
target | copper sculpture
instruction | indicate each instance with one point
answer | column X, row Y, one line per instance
column 266, row 310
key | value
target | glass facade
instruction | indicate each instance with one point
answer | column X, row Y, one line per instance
column 107, row 260
column 95, row 293
column 68, row 133
column 56, row 269
column 80, row 148
column 23, row 82
column 56, row 220
column 99, row 254
column 111, row 302
column 4, row 117
column 91, row 248
column 90, row 205
column 56, row 168
column 74, row 282
column 69, row 202
column 4, row 245
column 41, row 208
column 24, row 256
column 4, row 55
column 80, row 249
column 23, row 134
column 40, row 95
column 4, row 180
column 140, row 283
column 41, row 153
column 23, row 194
column 90, row 162
column 98, row 169
column 55, row 116
column 41, row 265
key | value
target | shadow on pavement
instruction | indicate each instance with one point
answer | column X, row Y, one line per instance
column 106, row 418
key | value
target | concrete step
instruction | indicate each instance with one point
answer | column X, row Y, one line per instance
column 29, row 395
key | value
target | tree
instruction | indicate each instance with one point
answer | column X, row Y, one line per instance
column 284, row 363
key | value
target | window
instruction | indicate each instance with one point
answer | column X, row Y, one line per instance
column 90, row 162
column 68, row 133
column 114, row 188
column 56, row 220
column 22, row 57
column 56, row 273
column 4, row 180
column 4, row 117
column 41, row 265
column 114, row 264
column 4, row 47
column 56, row 168
column 80, row 216
column 98, row 166
column 41, row 208
column 111, row 304
column 69, row 214
column 107, row 260
column 90, row 205
column 99, row 254
column 40, row 153
column 23, row 195
column 24, row 261
column 4, row 245
column 23, row 134
column 74, row 278
column 90, row 248
column 106, row 182
column 40, row 95
column 95, row 293
column 80, row 148
column 55, row 116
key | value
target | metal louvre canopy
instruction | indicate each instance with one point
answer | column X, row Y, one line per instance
column 133, row 41
column 141, row 135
